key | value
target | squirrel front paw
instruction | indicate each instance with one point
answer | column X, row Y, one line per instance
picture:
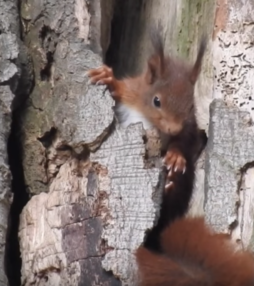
column 102, row 75
column 175, row 161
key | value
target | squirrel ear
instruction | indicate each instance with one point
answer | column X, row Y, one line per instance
column 197, row 66
column 156, row 61
column 153, row 69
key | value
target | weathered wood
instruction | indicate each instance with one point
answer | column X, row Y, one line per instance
column 229, row 203
column 86, row 204
column 11, row 57
column 229, row 151
column 129, row 191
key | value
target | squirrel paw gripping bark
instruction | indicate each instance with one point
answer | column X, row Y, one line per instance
column 169, row 181
column 103, row 75
column 175, row 161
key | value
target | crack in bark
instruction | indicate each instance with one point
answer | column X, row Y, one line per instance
column 235, row 223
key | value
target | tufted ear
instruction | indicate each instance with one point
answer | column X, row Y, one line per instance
column 156, row 62
column 197, row 66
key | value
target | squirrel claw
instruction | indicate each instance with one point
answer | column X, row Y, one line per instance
column 174, row 160
column 168, row 186
column 99, row 82
column 169, row 181
column 168, row 166
column 102, row 75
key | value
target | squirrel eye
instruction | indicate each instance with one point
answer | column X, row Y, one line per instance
column 156, row 102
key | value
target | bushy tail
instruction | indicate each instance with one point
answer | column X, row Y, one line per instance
column 193, row 255
column 160, row 270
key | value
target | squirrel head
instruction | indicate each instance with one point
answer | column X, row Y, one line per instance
column 170, row 99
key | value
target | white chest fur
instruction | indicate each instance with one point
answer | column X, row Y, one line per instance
column 127, row 116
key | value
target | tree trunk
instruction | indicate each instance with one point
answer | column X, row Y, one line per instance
column 15, row 83
column 85, row 189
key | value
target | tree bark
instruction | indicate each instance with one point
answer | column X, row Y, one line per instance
column 15, row 82
column 94, row 187
column 229, row 179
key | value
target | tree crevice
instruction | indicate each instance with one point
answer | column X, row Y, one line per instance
column 20, row 198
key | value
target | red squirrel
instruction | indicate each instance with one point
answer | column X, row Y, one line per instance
column 162, row 96
column 178, row 251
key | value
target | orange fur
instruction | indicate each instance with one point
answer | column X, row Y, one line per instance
column 130, row 91
column 166, row 78
column 194, row 255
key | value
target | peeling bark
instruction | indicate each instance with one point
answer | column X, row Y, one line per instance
column 229, row 153
column 68, row 139
column 15, row 82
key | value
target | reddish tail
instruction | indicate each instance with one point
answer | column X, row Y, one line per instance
column 194, row 256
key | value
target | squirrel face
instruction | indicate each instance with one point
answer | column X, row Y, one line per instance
column 170, row 101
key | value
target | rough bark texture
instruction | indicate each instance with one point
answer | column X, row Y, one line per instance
column 229, row 179
column 13, row 85
column 229, row 154
column 95, row 192
column 91, row 199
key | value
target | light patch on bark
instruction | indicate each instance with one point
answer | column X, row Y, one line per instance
column 44, row 259
column 230, row 148
column 83, row 17
column 244, row 230
column 234, row 57
column 8, row 43
column 197, row 200
column 55, row 227
column 130, row 203
column 221, row 17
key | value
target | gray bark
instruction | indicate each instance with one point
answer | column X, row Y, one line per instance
column 12, row 57
column 229, row 180
column 63, row 122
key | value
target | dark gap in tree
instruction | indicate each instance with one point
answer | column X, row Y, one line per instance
column 125, row 31
column 48, row 138
column 20, row 198
column 46, row 71
column 19, row 21
column 21, row 87
column 44, row 32
column 48, row 43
